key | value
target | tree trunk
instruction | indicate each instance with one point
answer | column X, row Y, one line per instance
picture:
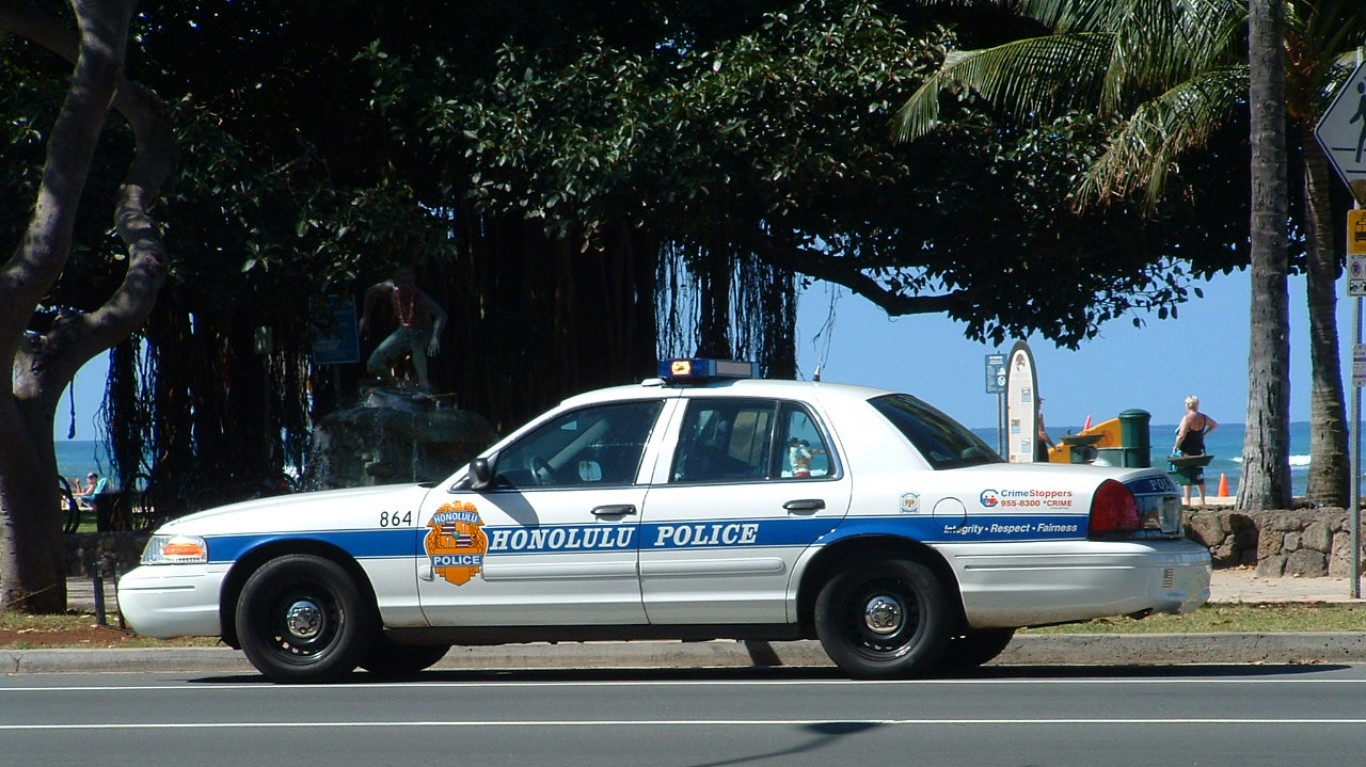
column 1265, row 482
column 31, row 573
column 45, row 361
column 1329, row 464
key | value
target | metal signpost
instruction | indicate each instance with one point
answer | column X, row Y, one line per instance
column 996, row 384
column 1342, row 134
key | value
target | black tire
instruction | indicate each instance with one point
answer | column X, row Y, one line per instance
column 302, row 618
column 975, row 648
column 389, row 658
column 886, row 620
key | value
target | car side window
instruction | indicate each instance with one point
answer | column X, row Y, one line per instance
column 943, row 442
column 728, row 440
column 807, row 455
column 594, row 446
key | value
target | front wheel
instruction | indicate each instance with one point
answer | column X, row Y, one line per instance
column 302, row 618
column 886, row 620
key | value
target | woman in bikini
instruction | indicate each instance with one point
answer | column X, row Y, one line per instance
column 1190, row 440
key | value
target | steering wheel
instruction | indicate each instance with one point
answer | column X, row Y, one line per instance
column 541, row 470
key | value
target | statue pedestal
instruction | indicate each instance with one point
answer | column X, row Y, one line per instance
column 395, row 438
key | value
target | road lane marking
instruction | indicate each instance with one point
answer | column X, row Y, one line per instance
column 683, row 723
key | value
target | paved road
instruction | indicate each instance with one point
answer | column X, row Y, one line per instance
column 1220, row 716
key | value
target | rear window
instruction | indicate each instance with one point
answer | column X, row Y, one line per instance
column 945, row 443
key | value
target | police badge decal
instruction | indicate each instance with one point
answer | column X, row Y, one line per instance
column 456, row 542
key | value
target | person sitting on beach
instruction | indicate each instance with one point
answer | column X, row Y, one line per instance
column 85, row 492
column 1190, row 440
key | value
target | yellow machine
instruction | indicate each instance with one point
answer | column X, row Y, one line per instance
column 1103, row 434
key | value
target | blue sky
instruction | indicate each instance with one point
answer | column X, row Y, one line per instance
column 1203, row 351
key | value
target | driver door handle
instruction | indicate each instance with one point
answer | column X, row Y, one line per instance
column 614, row 510
column 805, row 504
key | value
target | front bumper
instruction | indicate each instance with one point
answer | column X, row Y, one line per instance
column 165, row 601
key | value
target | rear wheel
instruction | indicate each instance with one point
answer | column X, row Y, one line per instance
column 975, row 648
column 882, row 621
column 302, row 618
column 389, row 658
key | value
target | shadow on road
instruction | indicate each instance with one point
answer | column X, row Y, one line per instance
column 993, row 673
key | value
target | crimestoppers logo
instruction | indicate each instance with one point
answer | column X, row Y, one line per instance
column 989, row 499
column 456, row 542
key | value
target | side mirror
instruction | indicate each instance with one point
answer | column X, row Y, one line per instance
column 481, row 474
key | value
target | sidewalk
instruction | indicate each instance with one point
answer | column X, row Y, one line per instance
column 1243, row 585
column 1101, row 650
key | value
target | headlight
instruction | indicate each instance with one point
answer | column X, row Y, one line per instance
column 175, row 550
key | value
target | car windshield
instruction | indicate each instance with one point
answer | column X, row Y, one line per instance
column 944, row 442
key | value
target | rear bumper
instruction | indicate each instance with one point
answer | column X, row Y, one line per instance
column 1028, row 585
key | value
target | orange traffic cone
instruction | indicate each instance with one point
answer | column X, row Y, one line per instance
column 1223, row 485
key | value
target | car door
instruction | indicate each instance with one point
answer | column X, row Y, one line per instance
column 750, row 484
column 553, row 541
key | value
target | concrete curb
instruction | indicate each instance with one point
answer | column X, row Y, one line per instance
column 1029, row 650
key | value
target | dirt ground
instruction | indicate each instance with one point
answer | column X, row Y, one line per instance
column 90, row 634
column 83, row 631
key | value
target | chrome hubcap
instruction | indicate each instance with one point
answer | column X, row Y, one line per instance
column 304, row 620
column 883, row 615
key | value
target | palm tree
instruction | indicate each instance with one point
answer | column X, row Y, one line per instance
column 1174, row 72
column 1266, row 466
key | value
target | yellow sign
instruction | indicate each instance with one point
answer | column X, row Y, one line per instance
column 1356, row 232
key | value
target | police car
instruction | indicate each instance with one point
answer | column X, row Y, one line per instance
column 702, row 504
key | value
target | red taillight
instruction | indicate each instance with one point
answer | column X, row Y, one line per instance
column 1114, row 510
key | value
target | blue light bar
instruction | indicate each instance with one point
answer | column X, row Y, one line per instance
column 701, row 369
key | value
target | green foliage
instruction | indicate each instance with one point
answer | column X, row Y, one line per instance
column 554, row 165
column 775, row 142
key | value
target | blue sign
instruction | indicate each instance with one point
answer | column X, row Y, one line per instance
column 338, row 340
column 996, row 373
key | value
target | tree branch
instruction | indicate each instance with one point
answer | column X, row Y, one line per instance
column 838, row 270
column 74, row 339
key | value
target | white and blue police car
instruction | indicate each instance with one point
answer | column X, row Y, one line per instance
column 697, row 505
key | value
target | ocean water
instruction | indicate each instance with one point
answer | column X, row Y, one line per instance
column 78, row 457
column 1225, row 444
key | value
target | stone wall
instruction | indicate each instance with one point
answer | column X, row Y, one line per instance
column 1308, row 543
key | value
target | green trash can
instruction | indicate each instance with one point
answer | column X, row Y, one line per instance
column 1135, row 439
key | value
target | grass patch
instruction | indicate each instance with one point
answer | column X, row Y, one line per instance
column 12, row 621
column 1275, row 618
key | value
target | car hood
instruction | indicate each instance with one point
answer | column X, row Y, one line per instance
column 296, row 511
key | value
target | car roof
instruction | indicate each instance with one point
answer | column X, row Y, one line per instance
column 748, row 387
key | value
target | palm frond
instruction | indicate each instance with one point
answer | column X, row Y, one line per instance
column 1160, row 44
column 1333, row 26
column 1031, row 78
column 1143, row 153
